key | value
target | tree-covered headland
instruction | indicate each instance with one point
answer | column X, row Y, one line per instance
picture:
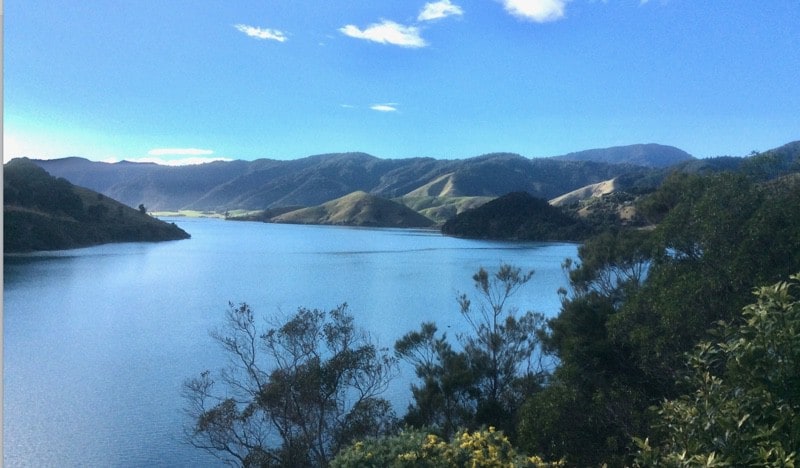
column 42, row 212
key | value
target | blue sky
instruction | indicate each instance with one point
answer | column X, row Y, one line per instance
column 283, row 79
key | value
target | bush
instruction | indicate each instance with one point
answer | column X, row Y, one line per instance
column 415, row 448
column 744, row 407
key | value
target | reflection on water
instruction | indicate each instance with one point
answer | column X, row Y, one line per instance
column 97, row 341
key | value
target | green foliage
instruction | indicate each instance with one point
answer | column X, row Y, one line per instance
column 486, row 382
column 774, row 163
column 743, row 408
column 595, row 400
column 640, row 300
column 611, row 263
column 414, row 448
column 502, row 345
column 293, row 395
column 722, row 235
column 447, row 395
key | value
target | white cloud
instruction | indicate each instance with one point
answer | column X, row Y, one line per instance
column 438, row 10
column 179, row 152
column 387, row 107
column 540, row 11
column 171, row 162
column 387, row 32
column 261, row 33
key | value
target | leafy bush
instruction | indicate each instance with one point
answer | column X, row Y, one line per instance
column 414, row 448
column 744, row 407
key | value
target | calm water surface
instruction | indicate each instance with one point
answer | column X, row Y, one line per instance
column 98, row 341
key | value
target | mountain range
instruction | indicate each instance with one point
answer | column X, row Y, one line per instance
column 271, row 184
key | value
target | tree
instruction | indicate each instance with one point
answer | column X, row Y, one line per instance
column 503, row 343
column 448, row 394
column 486, row 382
column 594, row 402
column 743, row 408
column 293, row 395
column 142, row 208
column 639, row 301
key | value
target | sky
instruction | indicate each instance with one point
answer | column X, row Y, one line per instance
column 184, row 81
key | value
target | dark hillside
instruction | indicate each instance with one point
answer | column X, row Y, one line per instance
column 517, row 216
column 42, row 212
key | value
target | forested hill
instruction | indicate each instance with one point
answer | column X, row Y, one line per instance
column 42, row 212
column 517, row 216
column 311, row 181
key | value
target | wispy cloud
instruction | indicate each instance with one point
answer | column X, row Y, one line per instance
column 181, row 161
column 261, row 33
column 540, row 11
column 179, row 152
column 178, row 156
column 387, row 32
column 386, row 107
column 438, row 10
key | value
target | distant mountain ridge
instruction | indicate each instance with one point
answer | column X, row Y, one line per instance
column 311, row 181
column 646, row 155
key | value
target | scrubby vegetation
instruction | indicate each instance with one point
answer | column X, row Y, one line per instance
column 414, row 448
column 658, row 357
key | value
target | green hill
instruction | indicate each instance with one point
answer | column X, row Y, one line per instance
column 42, row 212
column 357, row 209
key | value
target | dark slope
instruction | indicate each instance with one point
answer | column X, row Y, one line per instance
column 517, row 216
column 42, row 212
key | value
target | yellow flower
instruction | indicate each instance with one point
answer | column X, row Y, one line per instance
column 408, row 456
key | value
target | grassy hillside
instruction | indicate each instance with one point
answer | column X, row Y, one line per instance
column 42, row 212
column 592, row 190
column 442, row 208
column 357, row 209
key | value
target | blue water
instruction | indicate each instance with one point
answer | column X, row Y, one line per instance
column 98, row 341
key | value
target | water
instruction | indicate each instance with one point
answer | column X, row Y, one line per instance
column 98, row 341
